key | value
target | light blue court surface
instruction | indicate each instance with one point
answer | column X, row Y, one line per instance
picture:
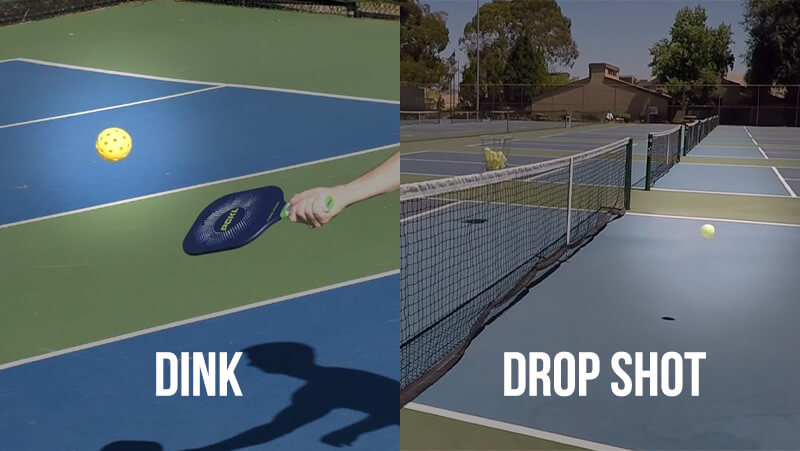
column 348, row 394
column 728, row 297
column 705, row 149
column 723, row 179
column 51, row 167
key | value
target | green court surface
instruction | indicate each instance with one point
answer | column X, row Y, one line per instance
column 202, row 42
column 88, row 276
column 92, row 275
column 461, row 435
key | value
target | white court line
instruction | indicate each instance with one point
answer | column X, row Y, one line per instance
column 508, row 427
column 700, row 218
column 112, row 107
column 727, row 193
column 418, row 151
column 184, row 322
column 445, row 161
column 427, row 174
column 754, row 142
column 230, row 85
column 425, row 213
column 785, row 185
column 201, row 185
column 9, row 60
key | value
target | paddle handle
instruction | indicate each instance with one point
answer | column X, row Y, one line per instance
column 329, row 203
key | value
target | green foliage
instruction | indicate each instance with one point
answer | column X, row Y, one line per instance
column 535, row 29
column 558, row 79
column 695, row 55
column 423, row 35
column 525, row 66
column 773, row 47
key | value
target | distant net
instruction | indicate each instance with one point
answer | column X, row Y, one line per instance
column 470, row 245
column 463, row 116
column 462, row 123
column 420, row 117
column 697, row 131
column 374, row 9
column 663, row 152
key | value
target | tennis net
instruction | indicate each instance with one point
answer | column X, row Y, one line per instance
column 420, row 117
column 663, row 152
column 697, row 131
column 471, row 244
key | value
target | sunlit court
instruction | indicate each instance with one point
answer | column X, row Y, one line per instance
column 599, row 179
column 118, row 126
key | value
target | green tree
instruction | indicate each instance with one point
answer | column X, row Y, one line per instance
column 423, row 35
column 694, row 58
column 773, row 45
column 538, row 24
column 524, row 74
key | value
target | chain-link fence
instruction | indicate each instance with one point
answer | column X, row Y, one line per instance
column 587, row 101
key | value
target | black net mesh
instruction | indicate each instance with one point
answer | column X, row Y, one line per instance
column 663, row 152
column 696, row 131
column 17, row 11
column 374, row 9
column 471, row 244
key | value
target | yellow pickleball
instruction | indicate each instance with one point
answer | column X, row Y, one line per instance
column 707, row 231
column 113, row 144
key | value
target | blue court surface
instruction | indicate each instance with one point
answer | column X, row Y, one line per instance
column 319, row 368
column 205, row 133
column 723, row 179
column 751, row 142
column 728, row 141
column 318, row 371
column 742, row 315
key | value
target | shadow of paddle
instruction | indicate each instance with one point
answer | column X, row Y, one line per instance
column 326, row 388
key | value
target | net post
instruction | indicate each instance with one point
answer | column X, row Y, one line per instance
column 680, row 145
column 569, row 199
column 685, row 139
column 628, row 172
column 648, row 177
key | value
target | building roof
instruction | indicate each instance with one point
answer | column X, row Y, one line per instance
column 615, row 79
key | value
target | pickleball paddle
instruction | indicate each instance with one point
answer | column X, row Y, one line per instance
column 236, row 219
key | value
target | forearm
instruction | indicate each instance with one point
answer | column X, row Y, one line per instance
column 382, row 179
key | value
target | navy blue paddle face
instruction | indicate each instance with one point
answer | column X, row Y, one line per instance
column 234, row 220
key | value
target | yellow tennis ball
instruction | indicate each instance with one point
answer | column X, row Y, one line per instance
column 707, row 231
column 113, row 144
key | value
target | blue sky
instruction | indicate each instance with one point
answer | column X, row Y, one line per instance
column 619, row 32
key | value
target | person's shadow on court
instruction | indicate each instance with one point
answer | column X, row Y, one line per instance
column 326, row 388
